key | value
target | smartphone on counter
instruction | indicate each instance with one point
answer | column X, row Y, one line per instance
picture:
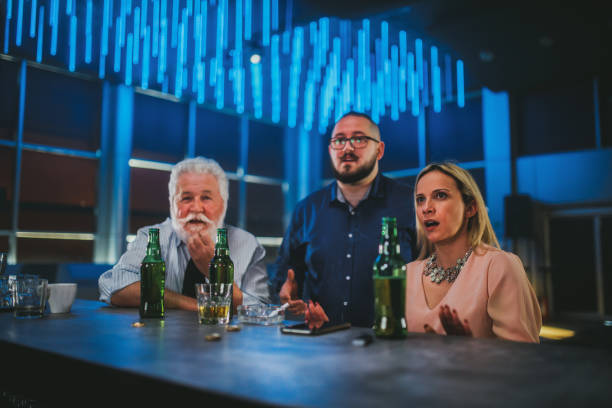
column 302, row 328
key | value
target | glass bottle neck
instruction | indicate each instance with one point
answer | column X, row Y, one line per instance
column 221, row 251
column 221, row 248
column 153, row 248
column 389, row 242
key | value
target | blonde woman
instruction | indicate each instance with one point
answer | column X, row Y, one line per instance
column 462, row 282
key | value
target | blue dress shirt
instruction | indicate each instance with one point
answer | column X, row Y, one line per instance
column 332, row 247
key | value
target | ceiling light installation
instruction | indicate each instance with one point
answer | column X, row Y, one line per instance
column 203, row 50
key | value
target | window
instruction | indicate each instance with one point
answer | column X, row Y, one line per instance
column 7, row 175
column 218, row 137
column 148, row 197
column 159, row 129
column 9, row 98
column 265, row 204
column 231, row 216
column 58, row 193
column 53, row 250
column 266, row 150
column 62, row 111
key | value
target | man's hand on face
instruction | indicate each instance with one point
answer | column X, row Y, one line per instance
column 202, row 249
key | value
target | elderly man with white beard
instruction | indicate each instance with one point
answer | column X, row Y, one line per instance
column 198, row 193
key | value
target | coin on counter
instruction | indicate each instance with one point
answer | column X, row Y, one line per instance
column 213, row 337
column 233, row 328
column 138, row 324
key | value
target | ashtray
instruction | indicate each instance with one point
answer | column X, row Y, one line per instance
column 261, row 314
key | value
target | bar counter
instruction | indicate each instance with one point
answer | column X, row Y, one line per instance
column 93, row 356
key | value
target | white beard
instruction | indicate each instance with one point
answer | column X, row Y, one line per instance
column 179, row 224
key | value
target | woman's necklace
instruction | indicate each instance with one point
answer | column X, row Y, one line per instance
column 438, row 273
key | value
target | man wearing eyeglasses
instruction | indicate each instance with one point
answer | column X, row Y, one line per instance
column 324, row 267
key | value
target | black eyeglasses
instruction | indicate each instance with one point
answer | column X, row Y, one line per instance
column 358, row 142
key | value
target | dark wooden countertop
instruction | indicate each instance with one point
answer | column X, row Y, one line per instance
column 93, row 356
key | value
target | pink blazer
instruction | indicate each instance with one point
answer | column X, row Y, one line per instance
column 492, row 292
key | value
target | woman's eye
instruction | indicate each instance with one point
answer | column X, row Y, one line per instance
column 440, row 194
column 419, row 200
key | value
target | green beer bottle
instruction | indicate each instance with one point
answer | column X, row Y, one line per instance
column 152, row 279
column 221, row 267
column 389, row 284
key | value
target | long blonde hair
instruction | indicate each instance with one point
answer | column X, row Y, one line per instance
column 479, row 226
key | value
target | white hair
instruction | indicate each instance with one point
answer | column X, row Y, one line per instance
column 198, row 165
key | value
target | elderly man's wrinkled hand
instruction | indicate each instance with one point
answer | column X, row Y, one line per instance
column 202, row 249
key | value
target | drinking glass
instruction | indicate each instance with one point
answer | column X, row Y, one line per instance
column 214, row 302
column 7, row 293
column 3, row 260
column 31, row 294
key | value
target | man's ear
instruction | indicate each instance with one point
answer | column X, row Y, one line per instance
column 381, row 150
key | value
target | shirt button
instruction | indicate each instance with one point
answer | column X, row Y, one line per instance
column 348, row 255
column 348, row 278
column 345, row 303
column 350, row 235
column 352, row 212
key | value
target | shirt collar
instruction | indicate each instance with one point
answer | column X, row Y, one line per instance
column 376, row 190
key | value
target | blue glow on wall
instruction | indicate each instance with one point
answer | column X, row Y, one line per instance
column 308, row 75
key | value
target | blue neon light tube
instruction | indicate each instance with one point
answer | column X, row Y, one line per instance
column 146, row 54
column 33, row 19
column 460, row 90
column 88, row 33
column 19, row 23
column 73, row 30
column 39, row 40
column 136, row 37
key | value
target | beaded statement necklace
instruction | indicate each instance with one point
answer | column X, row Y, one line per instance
column 438, row 273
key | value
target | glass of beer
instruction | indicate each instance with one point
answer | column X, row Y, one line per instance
column 214, row 302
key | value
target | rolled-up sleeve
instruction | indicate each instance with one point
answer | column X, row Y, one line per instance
column 126, row 271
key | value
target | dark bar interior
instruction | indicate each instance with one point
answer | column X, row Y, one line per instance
column 102, row 100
